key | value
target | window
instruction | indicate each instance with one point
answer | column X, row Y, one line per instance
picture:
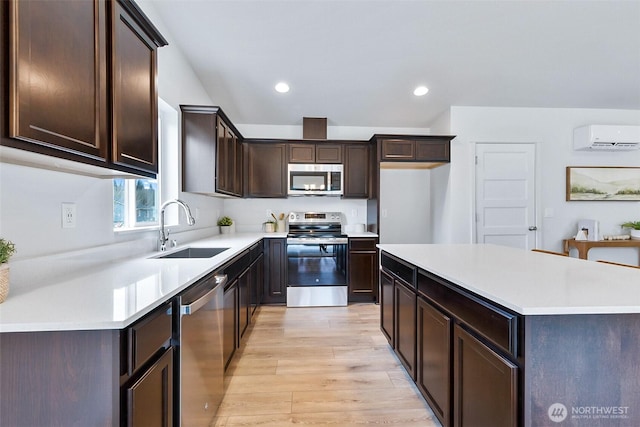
column 136, row 202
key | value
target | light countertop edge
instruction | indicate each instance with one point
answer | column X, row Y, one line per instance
column 121, row 292
column 528, row 283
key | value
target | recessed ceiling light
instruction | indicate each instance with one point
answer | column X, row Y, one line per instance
column 420, row 91
column 282, row 87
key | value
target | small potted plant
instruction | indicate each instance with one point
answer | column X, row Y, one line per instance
column 225, row 224
column 635, row 229
column 7, row 249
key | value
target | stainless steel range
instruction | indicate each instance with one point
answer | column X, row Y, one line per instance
column 317, row 257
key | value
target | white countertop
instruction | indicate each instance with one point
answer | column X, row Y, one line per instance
column 116, row 294
column 529, row 283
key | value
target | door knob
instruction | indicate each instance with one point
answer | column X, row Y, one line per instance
column 532, row 228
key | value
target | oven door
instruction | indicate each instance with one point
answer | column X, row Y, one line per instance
column 317, row 273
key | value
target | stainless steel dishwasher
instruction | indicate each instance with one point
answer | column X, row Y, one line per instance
column 201, row 360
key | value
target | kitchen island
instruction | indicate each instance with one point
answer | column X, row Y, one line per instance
column 503, row 337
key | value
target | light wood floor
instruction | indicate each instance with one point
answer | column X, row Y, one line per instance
column 319, row 366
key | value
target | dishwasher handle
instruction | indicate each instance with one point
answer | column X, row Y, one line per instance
column 203, row 300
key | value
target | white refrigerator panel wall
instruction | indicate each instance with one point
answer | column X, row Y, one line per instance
column 405, row 206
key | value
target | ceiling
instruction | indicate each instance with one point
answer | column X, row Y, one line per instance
column 357, row 62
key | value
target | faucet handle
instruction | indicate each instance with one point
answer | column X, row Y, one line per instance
column 174, row 243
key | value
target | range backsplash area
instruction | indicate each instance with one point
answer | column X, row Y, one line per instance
column 250, row 214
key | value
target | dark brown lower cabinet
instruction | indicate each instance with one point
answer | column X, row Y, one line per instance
column 462, row 351
column 230, row 322
column 256, row 282
column 433, row 376
column 90, row 378
column 149, row 400
column 275, row 271
column 363, row 269
column 405, row 326
column 486, row 384
column 386, row 307
column 244, row 301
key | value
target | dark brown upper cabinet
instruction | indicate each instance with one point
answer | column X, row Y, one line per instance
column 415, row 149
column 266, row 170
column 58, row 91
column 357, row 174
column 315, row 153
column 82, row 82
column 134, row 123
column 211, row 152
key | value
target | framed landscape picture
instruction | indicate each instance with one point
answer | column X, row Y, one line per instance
column 604, row 183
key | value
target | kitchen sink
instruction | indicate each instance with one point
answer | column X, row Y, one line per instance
column 194, row 253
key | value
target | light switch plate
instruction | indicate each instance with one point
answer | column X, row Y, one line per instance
column 68, row 215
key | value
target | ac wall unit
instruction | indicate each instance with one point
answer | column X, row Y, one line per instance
column 606, row 138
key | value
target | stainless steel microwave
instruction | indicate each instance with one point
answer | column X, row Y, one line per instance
column 315, row 180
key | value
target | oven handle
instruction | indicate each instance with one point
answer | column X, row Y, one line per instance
column 203, row 300
column 317, row 241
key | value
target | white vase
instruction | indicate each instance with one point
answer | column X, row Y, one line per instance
column 635, row 234
column 225, row 229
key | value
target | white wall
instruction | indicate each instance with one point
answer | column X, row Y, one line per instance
column 30, row 198
column 405, row 199
column 552, row 130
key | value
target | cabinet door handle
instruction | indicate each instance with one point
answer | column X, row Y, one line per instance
column 532, row 228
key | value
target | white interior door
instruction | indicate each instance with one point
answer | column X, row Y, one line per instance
column 505, row 195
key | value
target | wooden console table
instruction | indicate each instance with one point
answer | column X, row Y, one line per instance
column 583, row 246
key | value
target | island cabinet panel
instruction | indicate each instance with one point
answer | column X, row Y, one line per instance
column 357, row 174
column 266, row 170
column 496, row 324
column 587, row 363
column 386, row 307
column 433, row 364
column 405, row 325
column 403, row 308
column 463, row 352
column 486, row 384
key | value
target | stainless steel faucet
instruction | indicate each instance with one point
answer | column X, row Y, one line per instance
column 164, row 237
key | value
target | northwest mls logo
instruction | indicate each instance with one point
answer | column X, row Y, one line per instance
column 557, row 412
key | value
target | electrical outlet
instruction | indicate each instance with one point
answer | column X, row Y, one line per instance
column 68, row 215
